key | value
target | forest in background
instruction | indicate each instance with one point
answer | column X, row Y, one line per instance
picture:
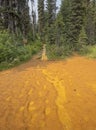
column 71, row 29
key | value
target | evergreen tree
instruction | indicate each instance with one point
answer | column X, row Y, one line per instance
column 33, row 16
column 15, row 15
column 91, row 22
column 83, row 39
column 65, row 12
column 76, row 21
column 59, row 30
column 51, row 9
column 41, row 18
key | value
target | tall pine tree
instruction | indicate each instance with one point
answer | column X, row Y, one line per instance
column 51, row 10
column 76, row 22
column 41, row 18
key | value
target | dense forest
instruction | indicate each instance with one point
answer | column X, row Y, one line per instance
column 71, row 28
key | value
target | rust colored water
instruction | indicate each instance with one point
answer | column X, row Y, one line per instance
column 49, row 95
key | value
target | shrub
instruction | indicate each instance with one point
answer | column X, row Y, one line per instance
column 7, row 48
column 82, row 41
column 91, row 51
column 58, row 52
column 12, row 51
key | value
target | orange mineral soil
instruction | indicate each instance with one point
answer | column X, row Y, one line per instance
column 49, row 95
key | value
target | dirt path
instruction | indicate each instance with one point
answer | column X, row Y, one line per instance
column 44, row 56
column 49, row 95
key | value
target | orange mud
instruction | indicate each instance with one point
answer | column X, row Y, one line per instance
column 49, row 95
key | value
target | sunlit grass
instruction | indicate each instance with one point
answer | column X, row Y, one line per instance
column 92, row 51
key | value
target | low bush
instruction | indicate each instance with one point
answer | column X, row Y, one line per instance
column 83, row 51
column 58, row 52
column 89, row 51
column 12, row 53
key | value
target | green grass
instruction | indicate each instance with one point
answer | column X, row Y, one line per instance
column 88, row 51
column 91, row 51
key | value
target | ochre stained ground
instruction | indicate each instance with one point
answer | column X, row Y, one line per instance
column 49, row 95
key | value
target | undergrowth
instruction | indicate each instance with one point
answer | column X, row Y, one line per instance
column 13, row 52
column 55, row 52
column 89, row 51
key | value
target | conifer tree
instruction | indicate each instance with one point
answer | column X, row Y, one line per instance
column 51, row 9
column 15, row 15
column 41, row 18
column 65, row 12
column 83, row 39
column 76, row 21
column 91, row 22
